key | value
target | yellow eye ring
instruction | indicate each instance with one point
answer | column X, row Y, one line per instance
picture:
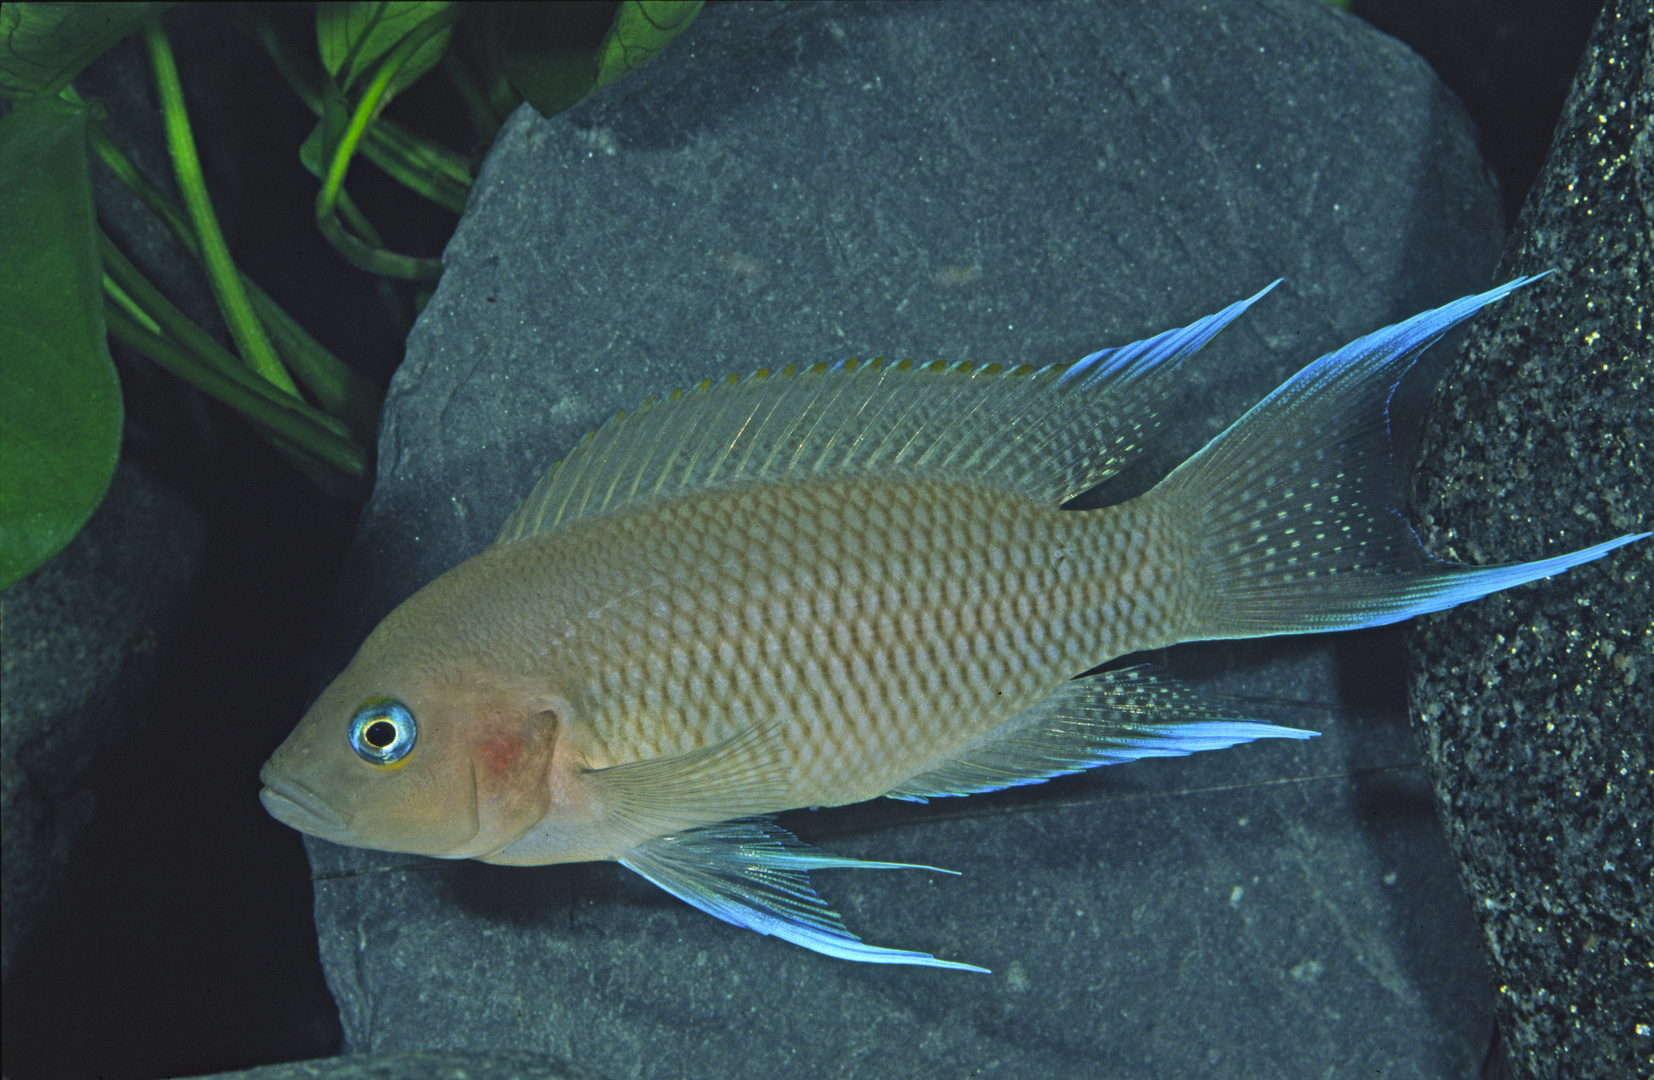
column 383, row 732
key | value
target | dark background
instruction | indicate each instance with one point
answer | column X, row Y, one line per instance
column 182, row 940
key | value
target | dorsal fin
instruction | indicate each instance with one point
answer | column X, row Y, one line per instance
column 1048, row 433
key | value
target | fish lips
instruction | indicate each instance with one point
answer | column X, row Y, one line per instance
column 295, row 805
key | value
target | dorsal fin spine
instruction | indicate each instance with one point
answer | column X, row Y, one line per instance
column 858, row 372
column 807, row 385
column 682, row 457
column 778, row 408
column 598, row 448
column 631, row 492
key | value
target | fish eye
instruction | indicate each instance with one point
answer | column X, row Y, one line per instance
column 383, row 731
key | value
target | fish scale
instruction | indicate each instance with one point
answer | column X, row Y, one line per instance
column 815, row 586
column 888, row 621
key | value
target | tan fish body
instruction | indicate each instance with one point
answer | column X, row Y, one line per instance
column 818, row 588
column 874, row 626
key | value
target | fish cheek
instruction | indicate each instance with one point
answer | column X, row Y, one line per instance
column 430, row 807
column 511, row 754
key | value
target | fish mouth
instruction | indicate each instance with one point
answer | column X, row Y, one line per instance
column 296, row 805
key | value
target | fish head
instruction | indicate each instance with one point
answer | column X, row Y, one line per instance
column 406, row 753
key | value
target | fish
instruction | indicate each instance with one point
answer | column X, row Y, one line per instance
column 820, row 585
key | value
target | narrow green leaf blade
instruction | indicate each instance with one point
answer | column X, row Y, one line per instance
column 60, row 401
column 642, row 30
column 356, row 35
column 43, row 46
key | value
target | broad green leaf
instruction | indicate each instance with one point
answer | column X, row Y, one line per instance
column 642, row 29
column 60, row 402
column 545, row 57
column 354, row 36
column 553, row 60
column 43, row 46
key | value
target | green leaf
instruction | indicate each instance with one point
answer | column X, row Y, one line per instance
column 549, row 54
column 355, row 36
column 60, row 402
column 43, row 46
column 642, row 30
column 544, row 56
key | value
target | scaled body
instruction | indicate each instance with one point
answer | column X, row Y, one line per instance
column 876, row 625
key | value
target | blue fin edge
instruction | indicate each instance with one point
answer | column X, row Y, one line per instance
column 1169, row 346
column 1393, row 349
column 1451, row 584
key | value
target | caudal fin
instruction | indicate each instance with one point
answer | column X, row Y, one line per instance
column 1294, row 506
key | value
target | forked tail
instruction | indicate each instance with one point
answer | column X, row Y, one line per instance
column 1295, row 509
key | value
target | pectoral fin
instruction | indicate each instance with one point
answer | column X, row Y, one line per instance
column 747, row 775
column 756, row 874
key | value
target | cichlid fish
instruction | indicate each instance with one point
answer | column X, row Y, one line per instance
column 813, row 587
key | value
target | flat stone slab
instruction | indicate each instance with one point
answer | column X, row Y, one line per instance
column 1018, row 183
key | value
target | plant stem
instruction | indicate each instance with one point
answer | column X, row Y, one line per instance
column 170, row 322
column 222, row 275
column 129, row 305
column 483, row 120
column 374, row 98
column 285, row 420
column 335, row 385
column 418, row 164
column 150, row 195
column 421, row 166
column 157, row 314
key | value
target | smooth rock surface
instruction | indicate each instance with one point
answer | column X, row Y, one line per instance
column 1536, row 706
column 968, row 181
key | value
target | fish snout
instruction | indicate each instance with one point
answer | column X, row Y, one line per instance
column 297, row 806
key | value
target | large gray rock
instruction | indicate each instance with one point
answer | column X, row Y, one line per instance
column 968, row 181
column 1536, row 706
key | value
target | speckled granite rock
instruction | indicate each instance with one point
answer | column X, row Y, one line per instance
column 1536, row 706
column 984, row 181
column 79, row 641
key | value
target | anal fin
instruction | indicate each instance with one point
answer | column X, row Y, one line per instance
column 756, row 875
column 1107, row 719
